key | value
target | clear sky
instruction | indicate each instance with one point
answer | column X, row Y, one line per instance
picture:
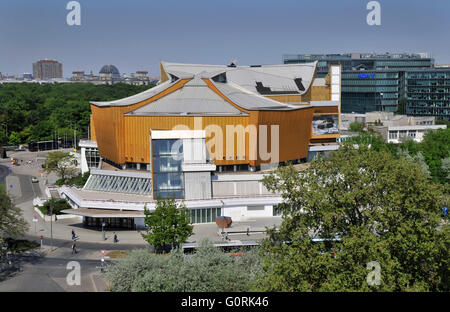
column 138, row 34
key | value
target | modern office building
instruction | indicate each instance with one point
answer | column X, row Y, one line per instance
column 47, row 69
column 426, row 92
column 377, row 82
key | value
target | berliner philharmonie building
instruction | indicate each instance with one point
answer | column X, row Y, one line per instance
column 205, row 135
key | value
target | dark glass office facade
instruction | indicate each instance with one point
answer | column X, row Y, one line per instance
column 167, row 172
column 369, row 91
column 373, row 82
column 427, row 92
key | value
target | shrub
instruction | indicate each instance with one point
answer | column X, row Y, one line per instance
column 208, row 269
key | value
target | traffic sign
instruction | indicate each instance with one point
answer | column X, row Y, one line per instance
column 102, row 251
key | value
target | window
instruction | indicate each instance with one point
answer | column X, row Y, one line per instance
column 167, row 173
column 205, row 215
column 393, row 135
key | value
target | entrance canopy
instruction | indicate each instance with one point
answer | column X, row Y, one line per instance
column 104, row 213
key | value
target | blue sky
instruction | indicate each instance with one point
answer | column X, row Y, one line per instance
column 138, row 34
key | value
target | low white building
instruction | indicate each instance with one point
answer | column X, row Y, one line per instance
column 181, row 169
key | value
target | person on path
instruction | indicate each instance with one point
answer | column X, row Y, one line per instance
column 115, row 238
column 74, row 248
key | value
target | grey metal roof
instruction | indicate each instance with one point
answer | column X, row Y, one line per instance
column 195, row 98
column 252, row 101
column 137, row 97
column 276, row 77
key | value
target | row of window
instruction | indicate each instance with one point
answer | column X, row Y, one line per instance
column 369, row 82
column 394, row 135
column 428, row 75
column 205, row 215
column 369, row 89
column 413, row 82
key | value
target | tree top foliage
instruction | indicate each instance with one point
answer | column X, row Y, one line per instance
column 33, row 111
column 368, row 205
column 168, row 225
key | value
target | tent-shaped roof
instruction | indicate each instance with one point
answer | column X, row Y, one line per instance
column 244, row 86
column 194, row 98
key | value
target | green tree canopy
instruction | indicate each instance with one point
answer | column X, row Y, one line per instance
column 12, row 223
column 44, row 109
column 62, row 163
column 168, row 225
column 365, row 205
column 356, row 126
column 55, row 205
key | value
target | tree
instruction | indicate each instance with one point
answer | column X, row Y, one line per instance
column 14, row 138
column 374, row 141
column 55, row 206
column 12, row 223
column 446, row 167
column 435, row 147
column 401, row 106
column 167, row 226
column 365, row 205
column 208, row 269
column 356, row 126
column 418, row 159
column 62, row 163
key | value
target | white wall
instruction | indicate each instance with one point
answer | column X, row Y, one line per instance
column 84, row 165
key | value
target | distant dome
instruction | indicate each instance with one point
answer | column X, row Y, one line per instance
column 109, row 69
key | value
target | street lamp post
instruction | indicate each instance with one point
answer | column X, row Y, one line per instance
column 103, row 230
column 51, row 225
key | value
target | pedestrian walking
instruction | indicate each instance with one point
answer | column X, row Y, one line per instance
column 74, row 248
column 115, row 238
column 73, row 235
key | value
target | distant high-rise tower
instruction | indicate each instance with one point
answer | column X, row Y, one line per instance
column 47, row 69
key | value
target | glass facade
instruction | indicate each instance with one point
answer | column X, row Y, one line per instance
column 92, row 158
column 376, row 82
column 167, row 172
column 369, row 91
column 119, row 184
column 205, row 215
column 427, row 93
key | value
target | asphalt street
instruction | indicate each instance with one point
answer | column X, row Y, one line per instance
column 46, row 269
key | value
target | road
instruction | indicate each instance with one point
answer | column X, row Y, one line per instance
column 45, row 270
column 37, row 272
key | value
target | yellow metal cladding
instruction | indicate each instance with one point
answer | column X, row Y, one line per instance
column 137, row 134
column 109, row 125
